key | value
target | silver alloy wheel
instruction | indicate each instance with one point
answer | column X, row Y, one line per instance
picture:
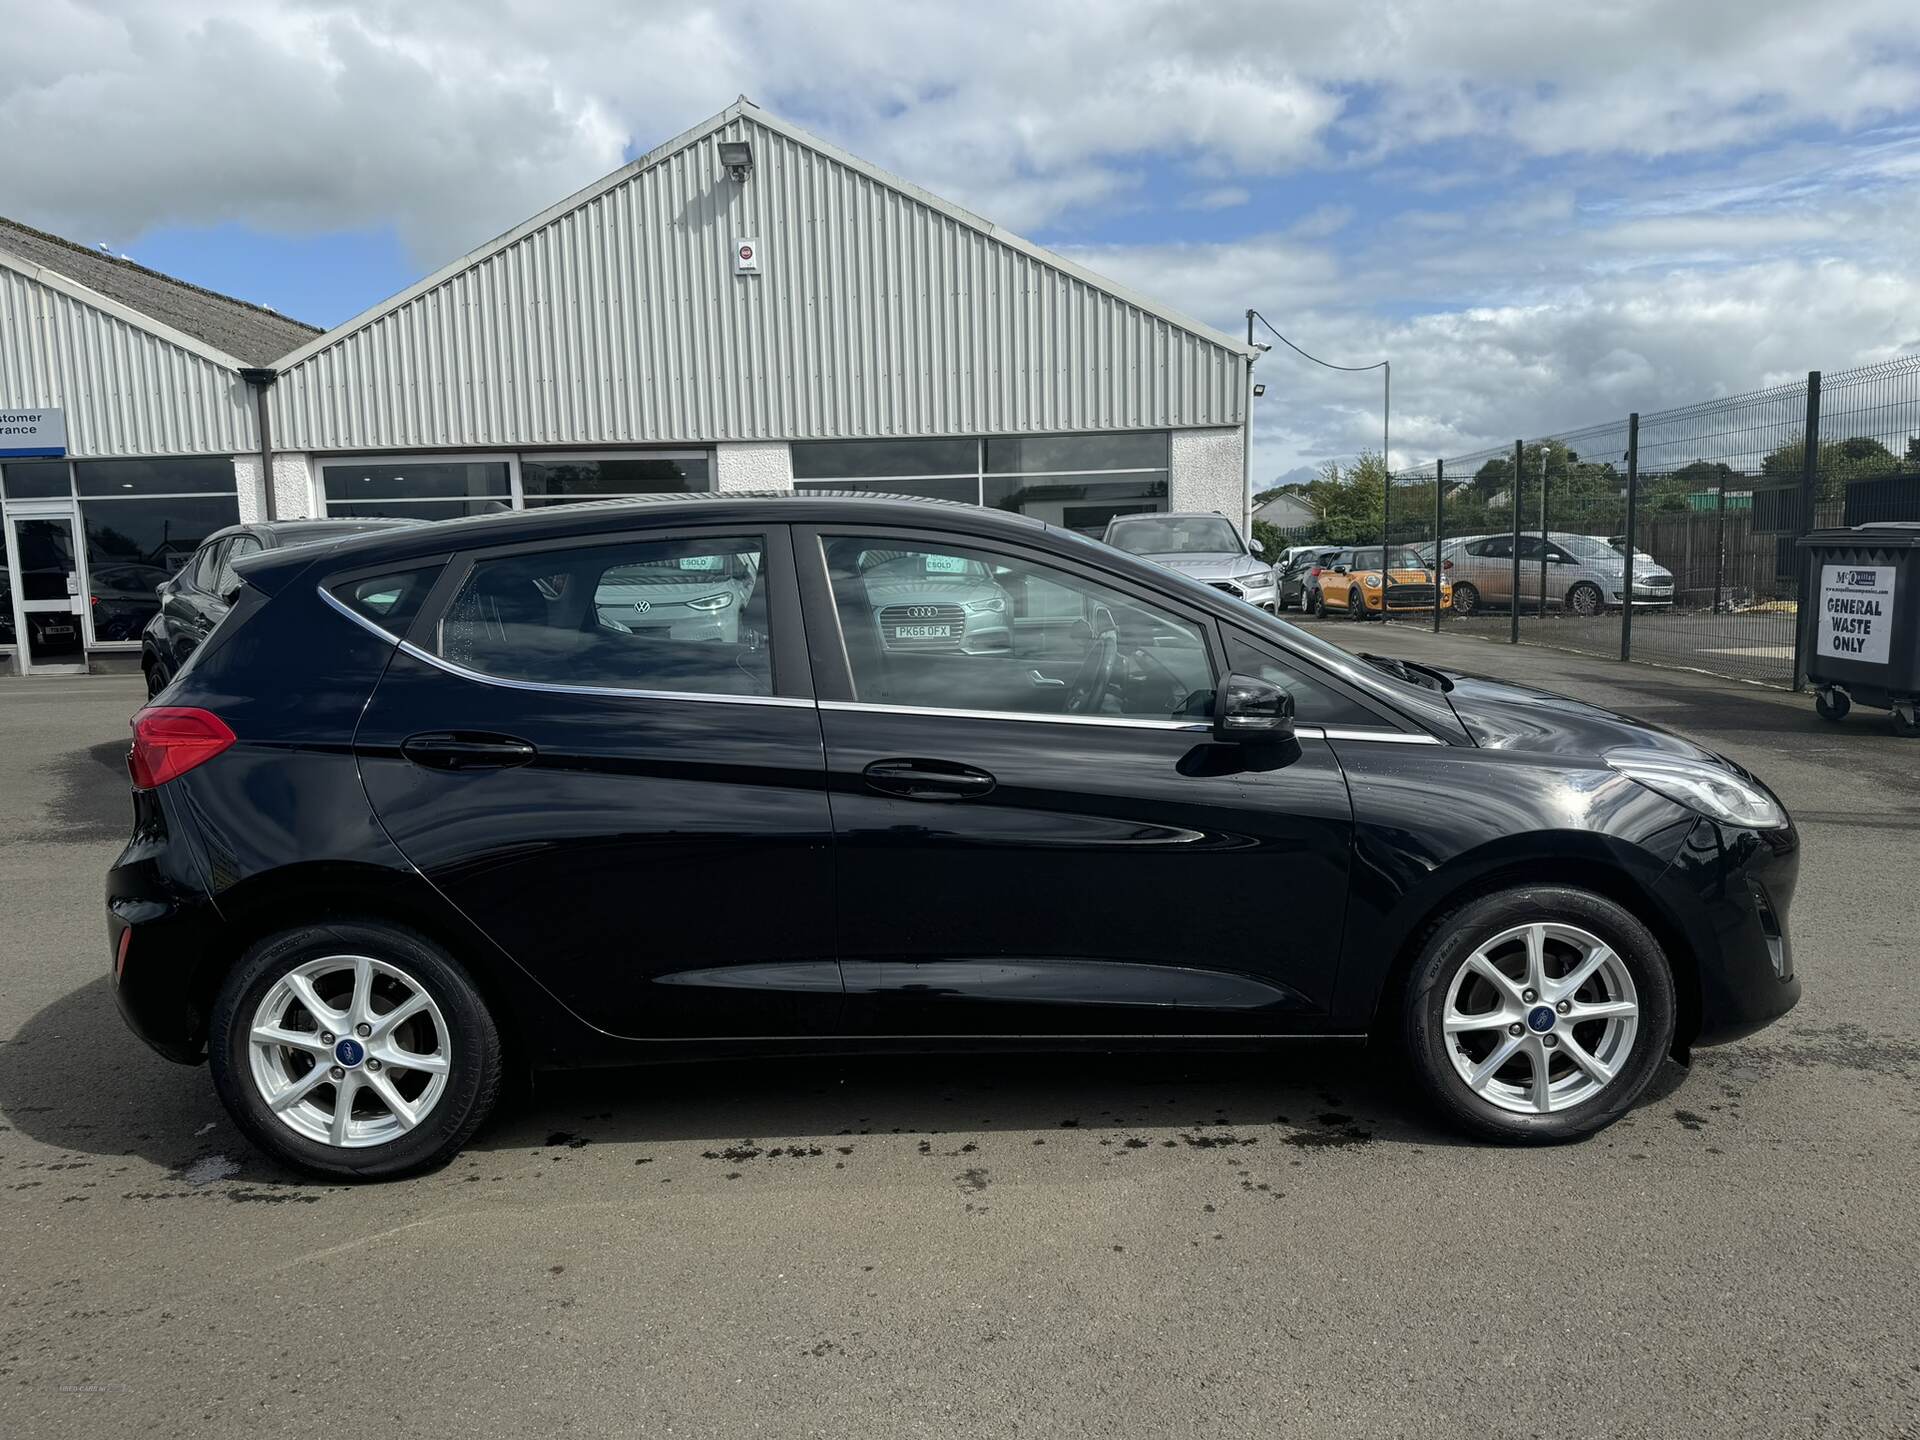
column 1585, row 599
column 1541, row 1018
column 349, row 1051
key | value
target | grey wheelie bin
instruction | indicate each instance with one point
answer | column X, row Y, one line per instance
column 1861, row 603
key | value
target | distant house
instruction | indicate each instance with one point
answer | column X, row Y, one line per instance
column 1286, row 512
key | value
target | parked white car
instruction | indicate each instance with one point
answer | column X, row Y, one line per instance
column 1585, row 575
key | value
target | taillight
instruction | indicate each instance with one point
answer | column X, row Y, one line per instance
column 1446, row 564
column 1314, row 572
column 169, row 740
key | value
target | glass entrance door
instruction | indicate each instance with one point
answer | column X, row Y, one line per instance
column 49, row 598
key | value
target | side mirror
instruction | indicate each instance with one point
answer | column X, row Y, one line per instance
column 1342, row 570
column 1247, row 709
column 232, row 592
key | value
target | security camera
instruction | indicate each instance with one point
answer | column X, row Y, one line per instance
column 1262, row 346
column 1258, row 391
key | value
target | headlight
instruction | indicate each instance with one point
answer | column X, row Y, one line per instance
column 711, row 602
column 993, row 605
column 1372, row 582
column 1258, row 580
column 1716, row 793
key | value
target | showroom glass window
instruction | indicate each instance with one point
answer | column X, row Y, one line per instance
column 1076, row 481
column 143, row 520
column 567, row 480
column 446, row 488
column 416, row 489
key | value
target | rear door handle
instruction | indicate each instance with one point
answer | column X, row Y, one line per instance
column 466, row 750
column 927, row 779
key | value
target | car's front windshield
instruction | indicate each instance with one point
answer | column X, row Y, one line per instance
column 1175, row 535
column 1588, row 547
column 1403, row 559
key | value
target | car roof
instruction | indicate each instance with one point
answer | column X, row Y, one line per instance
column 560, row 522
column 276, row 532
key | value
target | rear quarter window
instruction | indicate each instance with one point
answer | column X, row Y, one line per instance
column 389, row 601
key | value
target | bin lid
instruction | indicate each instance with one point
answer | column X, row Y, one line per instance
column 1886, row 535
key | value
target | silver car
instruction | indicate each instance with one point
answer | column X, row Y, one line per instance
column 1204, row 546
column 926, row 602
column 696, row 597
column 1585, row 575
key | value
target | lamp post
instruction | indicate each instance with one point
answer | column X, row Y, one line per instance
column 1386, row 409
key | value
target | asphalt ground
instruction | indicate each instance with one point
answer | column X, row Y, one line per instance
column 1281, row 1244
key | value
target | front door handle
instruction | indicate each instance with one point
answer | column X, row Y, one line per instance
column 466, row 750
column 927, row 779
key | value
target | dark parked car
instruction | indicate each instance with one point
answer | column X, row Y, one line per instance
column 416, row 812
column 197, row 597
column 1298, row 574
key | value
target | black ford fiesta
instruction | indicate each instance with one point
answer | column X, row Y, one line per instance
column 717, row 775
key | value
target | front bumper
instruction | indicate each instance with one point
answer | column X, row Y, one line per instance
column 1265, row 597
column 1729, row 891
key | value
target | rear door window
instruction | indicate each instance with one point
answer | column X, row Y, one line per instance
column 686, row 616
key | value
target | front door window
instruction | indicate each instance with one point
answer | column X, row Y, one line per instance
column 955, row 628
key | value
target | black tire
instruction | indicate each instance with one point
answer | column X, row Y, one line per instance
column 1835, row 709
column 1903, row 727
column 473, row 1076
column 158, row 678
column 1466, row 599
column 1449, row 943
column 1316, row 604
column 1356, row 607
column 1585, row 599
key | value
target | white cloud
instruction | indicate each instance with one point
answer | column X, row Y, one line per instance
column 1587, row 207
column 1223, row 197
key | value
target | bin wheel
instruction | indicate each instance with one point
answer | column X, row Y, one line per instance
column 1832, row 704
column 1904, row 722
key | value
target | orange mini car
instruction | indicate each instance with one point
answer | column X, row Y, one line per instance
column 1352, row 581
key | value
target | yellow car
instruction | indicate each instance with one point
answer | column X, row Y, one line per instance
column 1350, row 581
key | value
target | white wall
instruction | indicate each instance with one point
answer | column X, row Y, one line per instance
column 1207, row 472
column 753, row 465
column 292, row 487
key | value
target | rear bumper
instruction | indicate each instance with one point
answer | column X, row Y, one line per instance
column 1730, row 890
column 161, row 929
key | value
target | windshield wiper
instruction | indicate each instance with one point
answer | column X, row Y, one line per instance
column 1411, row 671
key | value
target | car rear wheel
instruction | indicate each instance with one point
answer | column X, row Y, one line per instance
column 1539, row 1014
column 354, row 1049
column 1466, row 599
column 1316, row 604
column 1586, row 599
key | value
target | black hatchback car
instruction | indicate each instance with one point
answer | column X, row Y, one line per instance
column 196, row 598
column 645, row 780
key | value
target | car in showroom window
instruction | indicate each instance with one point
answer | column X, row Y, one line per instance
column 601, row 785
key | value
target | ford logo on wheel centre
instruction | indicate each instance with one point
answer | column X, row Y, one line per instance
column 349, row 1052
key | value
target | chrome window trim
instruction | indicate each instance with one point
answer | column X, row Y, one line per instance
column 1033, row 717
column 1380, row 737
column 545, row 687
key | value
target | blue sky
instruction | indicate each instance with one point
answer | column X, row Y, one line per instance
column 1542, row 215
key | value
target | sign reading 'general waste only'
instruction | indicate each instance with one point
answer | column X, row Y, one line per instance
column 1856, row 612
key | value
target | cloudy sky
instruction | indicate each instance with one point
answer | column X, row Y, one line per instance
column 1542, row 214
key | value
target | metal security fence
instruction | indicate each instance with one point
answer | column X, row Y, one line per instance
column 1666, row 537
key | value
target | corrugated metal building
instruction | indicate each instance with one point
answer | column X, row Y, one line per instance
column 745, row 307
column 122, row 407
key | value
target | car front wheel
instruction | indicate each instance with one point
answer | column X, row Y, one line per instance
column 158, row 678
column 1466, row 599
column 1539, row 1014
column 1586, row 599
column 354, row 1049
